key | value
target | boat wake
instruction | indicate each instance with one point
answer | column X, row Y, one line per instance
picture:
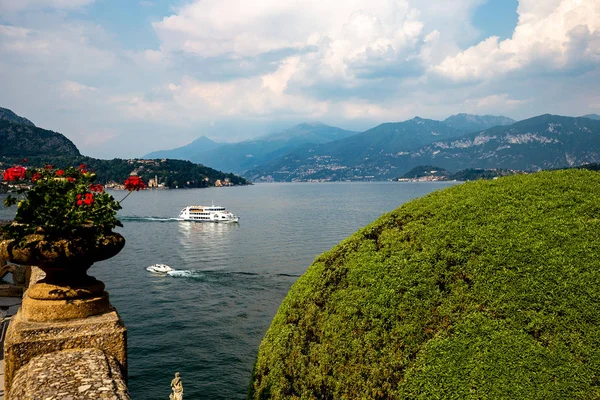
column 209, row 275
column 135, row 218
column 164, row 270
column 184, row 274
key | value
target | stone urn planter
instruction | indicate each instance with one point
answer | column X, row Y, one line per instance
column 67, row 291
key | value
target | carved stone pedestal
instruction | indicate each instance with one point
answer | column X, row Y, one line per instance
column 45, row 302
column 27, row 339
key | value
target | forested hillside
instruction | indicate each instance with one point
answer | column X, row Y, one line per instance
column 24, row 140
column 23, row 143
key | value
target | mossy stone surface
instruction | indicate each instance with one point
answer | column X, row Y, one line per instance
column 486, row 290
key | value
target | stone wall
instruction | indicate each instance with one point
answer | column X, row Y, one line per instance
column 70, row 374
column 75, row 358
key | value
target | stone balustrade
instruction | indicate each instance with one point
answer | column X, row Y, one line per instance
column 70, row 375
column 49, row 357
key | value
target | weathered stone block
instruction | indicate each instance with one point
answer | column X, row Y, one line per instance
column 27, row 339
column 70, row 374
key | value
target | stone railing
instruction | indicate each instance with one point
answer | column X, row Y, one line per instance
column 65, row 343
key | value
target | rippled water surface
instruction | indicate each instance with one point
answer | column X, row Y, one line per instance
column 207, row 319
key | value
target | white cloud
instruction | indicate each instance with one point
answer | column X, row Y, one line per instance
column 21, row 5
column 353, row 63
column 338, row 34
column 139, row 107
column 551, row 36
column 69, row 49
column 13, row 32
column 487, row 104
column 260, row 97
column 277, row 81
column 91, row 139
column 70, row 88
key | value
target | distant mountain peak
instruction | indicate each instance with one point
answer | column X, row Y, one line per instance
column 187, row 152
column 204, row 139
column 591, row 116
column 312, row 124
column 475, row 123
column 10, row 116
column 310, row 132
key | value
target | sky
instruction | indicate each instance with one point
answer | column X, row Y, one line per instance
column 122, row 78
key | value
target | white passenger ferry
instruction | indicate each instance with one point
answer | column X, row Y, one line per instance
column 207, row 214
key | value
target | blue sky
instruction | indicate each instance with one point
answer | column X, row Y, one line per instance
column 123, row 78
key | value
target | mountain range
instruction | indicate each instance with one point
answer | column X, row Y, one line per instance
column 315, row 151
column 343, row 159
column 242, row 156
column 543, row 142
column 249, row 154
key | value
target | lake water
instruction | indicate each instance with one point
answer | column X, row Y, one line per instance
column 208, row 320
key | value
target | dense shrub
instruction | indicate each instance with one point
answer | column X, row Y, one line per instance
column 488, row 289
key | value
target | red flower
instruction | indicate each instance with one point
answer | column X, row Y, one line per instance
column 89, row 199
column 134, row 183
column 48, row 166
column 96, row 187
column 36, row 177
column 14, row 174
column 82, row 168
column 70, row 179
column 60, row 172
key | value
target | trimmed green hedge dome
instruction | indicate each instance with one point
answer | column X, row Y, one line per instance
column 486, row 290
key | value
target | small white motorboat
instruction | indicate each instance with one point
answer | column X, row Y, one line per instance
column 159, row 269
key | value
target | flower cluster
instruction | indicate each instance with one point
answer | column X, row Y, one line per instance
column 62, row 201
column 88, row 200
column 134, row 183
column 14, row 174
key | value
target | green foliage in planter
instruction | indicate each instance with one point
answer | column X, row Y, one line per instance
column 486, row 290
column 59, row 203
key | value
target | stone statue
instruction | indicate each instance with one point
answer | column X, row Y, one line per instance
column 177, row 387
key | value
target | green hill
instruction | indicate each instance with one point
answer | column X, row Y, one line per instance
column 486, row 290
column 22, row 140
column 425, row 170
column 10, row 116
column 172, row 173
